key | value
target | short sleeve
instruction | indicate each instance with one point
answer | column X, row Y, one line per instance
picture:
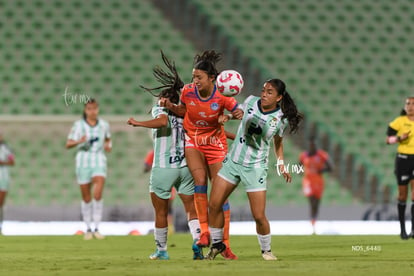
column 230, row 104
column 324, row 155
column 282, row 128
column 244, row 104
column 75, row 132
column 183, row 97
column 158, row 110
column 396, row 124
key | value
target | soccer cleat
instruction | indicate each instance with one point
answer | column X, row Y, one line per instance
column 88, row 235
column 98, row 235
column 228, row 254
column 198, row 251
column 215, row 249
column 204, row 240
column 268, row 256
column 159, row 255
column 404, row 235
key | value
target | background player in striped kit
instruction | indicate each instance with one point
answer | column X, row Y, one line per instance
column 91, row 136
column 6, row 160
column 401, row 131
column 169, row 167
column 264, row 119
column 206, row 144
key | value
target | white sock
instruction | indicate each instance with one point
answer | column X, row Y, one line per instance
column 1, row 217
column 195, row 230
column 216, row 234
column 97, row 210
column 264, row 241
column 86, row 209
column 160, row 235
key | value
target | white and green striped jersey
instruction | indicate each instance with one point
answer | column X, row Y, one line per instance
column 256, row 130
column 168, row 141
column 5, row 154
column 91, row 153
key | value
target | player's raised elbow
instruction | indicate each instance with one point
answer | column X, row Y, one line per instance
column 68, row 145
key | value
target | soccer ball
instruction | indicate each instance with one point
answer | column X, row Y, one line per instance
column 229, row 83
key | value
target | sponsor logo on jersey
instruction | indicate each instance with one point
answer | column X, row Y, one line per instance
column 214, row 106
column 254, row 129
column 176, row 159
column 202, row 114
column 192, row 103
column 201, row 123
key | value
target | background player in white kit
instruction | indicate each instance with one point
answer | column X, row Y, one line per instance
column 264, row 120
column 91, row 136
column 6, row 160
column 169, row 167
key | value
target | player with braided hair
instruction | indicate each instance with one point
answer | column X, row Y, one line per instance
column 169, row 167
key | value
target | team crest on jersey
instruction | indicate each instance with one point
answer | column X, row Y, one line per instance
column 273, row 122
column 214, row 106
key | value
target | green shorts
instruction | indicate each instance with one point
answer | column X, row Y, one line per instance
column 162, row 180
column 84, row 175
column 253, row 179
column 4, row 184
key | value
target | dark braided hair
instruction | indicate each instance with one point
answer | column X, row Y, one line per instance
column 207, row 62
column 287, row 105
column 171, row 81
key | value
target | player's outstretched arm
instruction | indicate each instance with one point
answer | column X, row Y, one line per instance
column 177, row 109
column 9, row 162
column 159, row 122
column 237, row 114
column 230, row 135
column 279, row 155
column 72, row 143
column 108, row 145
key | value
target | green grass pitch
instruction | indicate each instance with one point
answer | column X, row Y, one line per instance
column 128, row 255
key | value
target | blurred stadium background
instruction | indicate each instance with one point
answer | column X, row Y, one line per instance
column 348, row 65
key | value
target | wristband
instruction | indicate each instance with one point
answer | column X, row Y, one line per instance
column 230, row 116
column 392, row 139
column 280, row 162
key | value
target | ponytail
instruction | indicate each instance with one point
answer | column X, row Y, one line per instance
column 290, row 112
column 207, row 62
column 287, row 105
column 171, row 81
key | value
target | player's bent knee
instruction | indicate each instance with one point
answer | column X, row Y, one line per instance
column 214, row 207
column 260, row 219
